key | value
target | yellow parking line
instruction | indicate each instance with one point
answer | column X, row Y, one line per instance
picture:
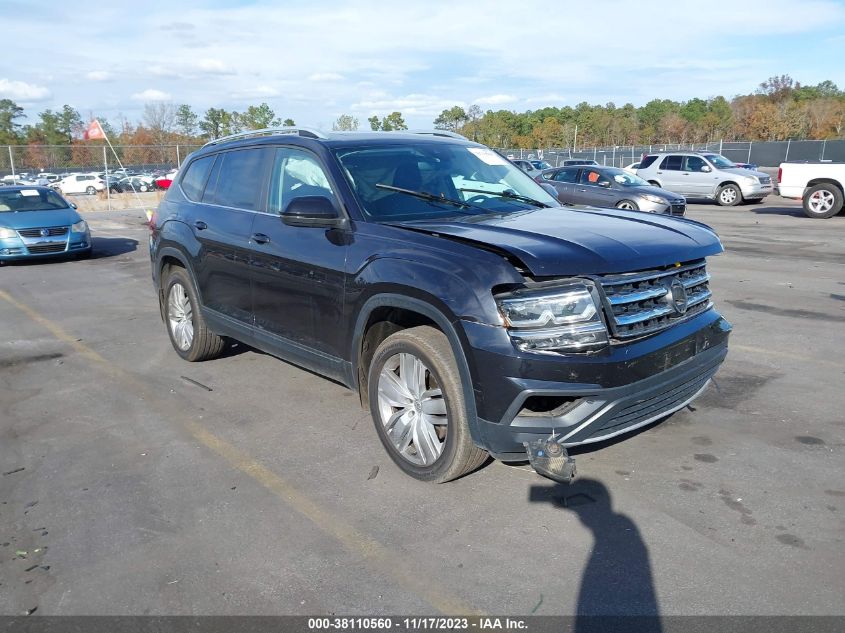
column 788, row 355
column 380, row 557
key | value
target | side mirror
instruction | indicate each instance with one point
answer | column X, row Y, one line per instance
column 706, row 168
column 311, row 211
column 549, row 189
column 73, row 205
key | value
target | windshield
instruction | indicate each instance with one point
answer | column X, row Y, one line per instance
column 541, row 164
column 30, row 200
column 719, row 161
column 624, row 178
column 437, row 170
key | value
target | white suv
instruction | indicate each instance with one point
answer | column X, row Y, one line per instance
column 705, row 175
column 81, row 183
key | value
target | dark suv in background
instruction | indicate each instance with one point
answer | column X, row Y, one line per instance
column 472, row 313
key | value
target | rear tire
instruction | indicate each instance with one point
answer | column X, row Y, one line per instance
column 189, row 335
column 418, row 408
column 822, row 201
column 728, row 196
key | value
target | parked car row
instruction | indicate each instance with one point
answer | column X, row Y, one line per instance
column 659, row 183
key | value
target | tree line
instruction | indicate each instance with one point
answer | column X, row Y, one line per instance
column 780, row 108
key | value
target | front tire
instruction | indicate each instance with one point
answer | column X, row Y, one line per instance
column 628, row 205
column 822, row 201
column 190, row 337
column 91, row 191
column 729, row 196
column 418, row 408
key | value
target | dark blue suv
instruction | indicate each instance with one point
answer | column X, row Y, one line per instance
column 471, row 312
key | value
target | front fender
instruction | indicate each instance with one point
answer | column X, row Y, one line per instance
column 430, row 307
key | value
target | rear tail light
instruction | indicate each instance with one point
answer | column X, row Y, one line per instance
column 780, row 172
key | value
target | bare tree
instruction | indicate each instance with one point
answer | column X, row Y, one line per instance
column 160, row 120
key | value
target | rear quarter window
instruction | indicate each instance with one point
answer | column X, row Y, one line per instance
column 646, row 162
column 193, row 182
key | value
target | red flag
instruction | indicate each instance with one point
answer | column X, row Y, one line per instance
column 94, row 131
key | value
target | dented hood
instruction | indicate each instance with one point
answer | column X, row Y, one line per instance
column 563, row 241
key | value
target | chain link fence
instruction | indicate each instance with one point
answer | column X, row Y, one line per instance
column 761, row 153
column 32, row 160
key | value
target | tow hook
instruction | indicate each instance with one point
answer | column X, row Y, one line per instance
column 549, row 458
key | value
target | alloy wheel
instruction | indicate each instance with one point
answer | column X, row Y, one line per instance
column 821, row 201
column 412, row 409
column 180, row 316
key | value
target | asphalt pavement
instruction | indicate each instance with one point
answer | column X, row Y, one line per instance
column 132, row 482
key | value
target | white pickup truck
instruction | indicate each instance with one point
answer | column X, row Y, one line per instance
column 819, row 185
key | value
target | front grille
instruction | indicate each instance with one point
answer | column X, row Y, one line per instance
column 642, row 303
column 46, row 248
column 51, row 231
column 679, row 206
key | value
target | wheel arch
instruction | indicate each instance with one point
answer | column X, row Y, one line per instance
column 170, row 256
column 388, row 312
column 826, row 181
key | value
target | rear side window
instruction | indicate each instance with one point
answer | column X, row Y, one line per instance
column 647, row 161
column 672, row 163
column 566, row 175
column 240, row 180
column 193, row 182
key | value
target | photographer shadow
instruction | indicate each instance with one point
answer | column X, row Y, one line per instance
column 617, row 590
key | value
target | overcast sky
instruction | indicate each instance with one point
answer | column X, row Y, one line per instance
column 315, row 60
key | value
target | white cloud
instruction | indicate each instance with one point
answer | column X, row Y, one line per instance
column 412, row 104
column 325, row 77
column 213, row 67
column 257, row 92
column 151, row 94
column 22, row 91
column 496, row 99
column 99, row 75
column 547, row 99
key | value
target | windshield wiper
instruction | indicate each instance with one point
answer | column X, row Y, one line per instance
column 430, row 197
column 510, row 195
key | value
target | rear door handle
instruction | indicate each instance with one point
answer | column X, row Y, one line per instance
column 260, row 238
column 660, row 172
column 200, row 225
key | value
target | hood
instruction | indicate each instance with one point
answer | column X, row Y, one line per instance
column 654, row 191
column 36, row 219
column 562, row 241
column 742, row 171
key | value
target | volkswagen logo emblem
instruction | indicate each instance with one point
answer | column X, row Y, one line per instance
column 44, row 232
column 677, row 296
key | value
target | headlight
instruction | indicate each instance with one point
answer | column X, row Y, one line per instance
column 79, row 227
column 7, row 233
column 564, row 319
column 654, row 199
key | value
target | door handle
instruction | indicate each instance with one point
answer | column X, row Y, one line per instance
column 260, row 238
column 660, row 172
column 200, row 225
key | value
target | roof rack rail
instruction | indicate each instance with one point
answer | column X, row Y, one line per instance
column 445, row 133
column 269, row 131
